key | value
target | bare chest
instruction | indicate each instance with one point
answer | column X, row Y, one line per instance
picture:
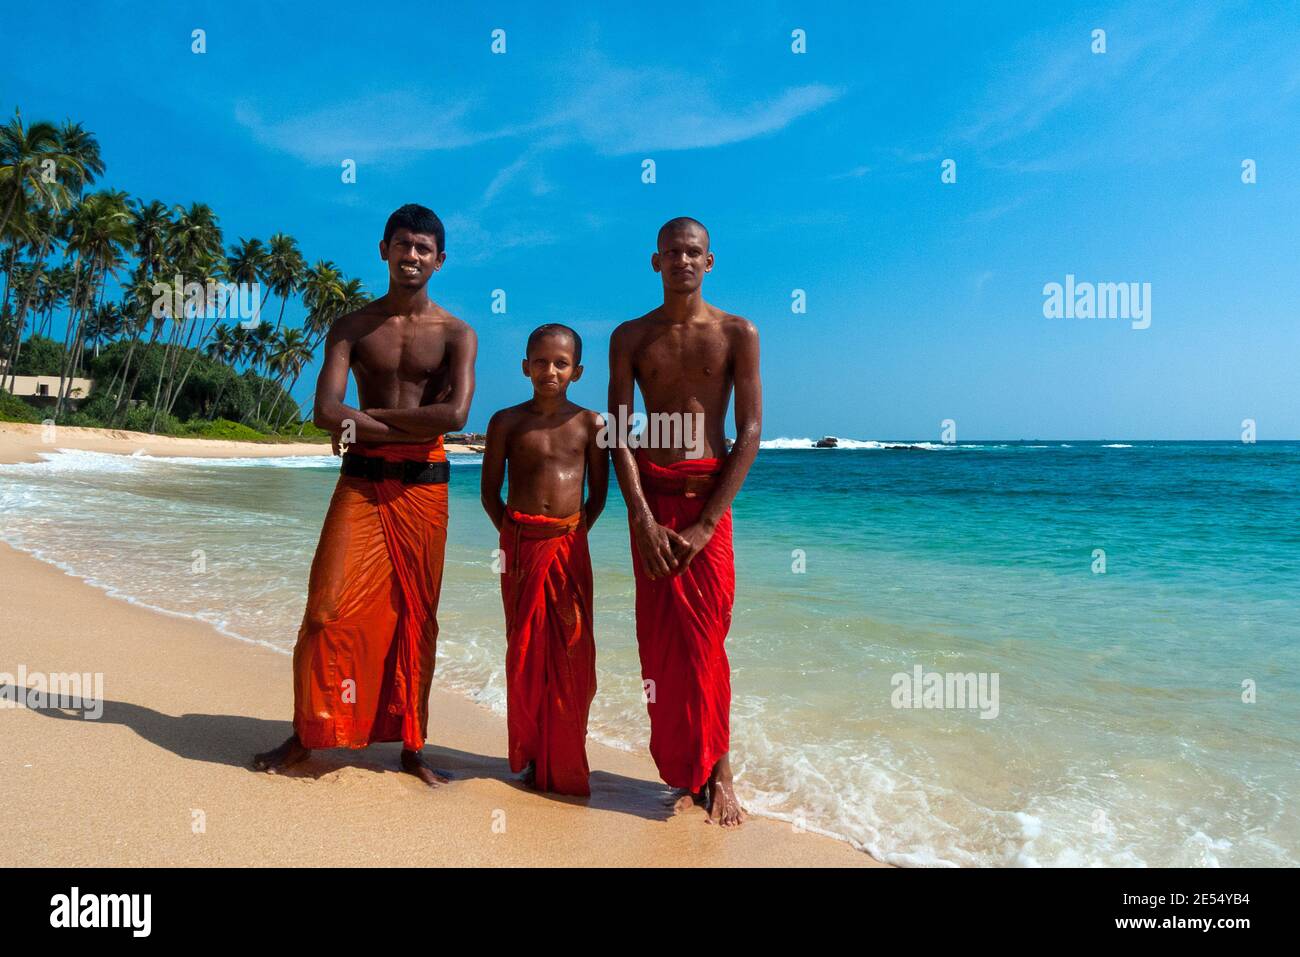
column 697, row 358
column 564, row 446
column 411, row 351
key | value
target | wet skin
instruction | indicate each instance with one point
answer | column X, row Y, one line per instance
column 414, row 366
column 687, row 356
column 548, row 444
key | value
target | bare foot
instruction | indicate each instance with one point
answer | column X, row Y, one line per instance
column 724, row 809
column 528, row 776
column 285, row 756
column 683, row 799
column 412, row 763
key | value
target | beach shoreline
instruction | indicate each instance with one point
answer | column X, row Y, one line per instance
column 163, row 778
column 23, row 442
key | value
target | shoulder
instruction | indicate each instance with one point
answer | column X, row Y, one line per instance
column 628, row 333
column 505, row 419
column 737, row 328
column 592, row 421
column 354, row 325
column 590, row 424
column 454, row 328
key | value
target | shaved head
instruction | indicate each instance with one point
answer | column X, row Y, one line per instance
column 682, row 222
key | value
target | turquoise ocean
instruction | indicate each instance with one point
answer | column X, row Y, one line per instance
column 1136, row 606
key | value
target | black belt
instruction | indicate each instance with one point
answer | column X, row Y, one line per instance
column 409, row 473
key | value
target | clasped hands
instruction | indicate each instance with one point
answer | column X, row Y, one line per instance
column 665, row 552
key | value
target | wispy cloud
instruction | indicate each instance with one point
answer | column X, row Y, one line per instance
column 619, row 110
column 525, row 165
column 991, row 213
column 472, row 240
column 611, row 109
column 608, row 109
column 384, row 127
column 1057, row 105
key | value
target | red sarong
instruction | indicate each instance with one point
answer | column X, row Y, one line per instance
column 366, row 649
column 681, row 626
column 550, row 649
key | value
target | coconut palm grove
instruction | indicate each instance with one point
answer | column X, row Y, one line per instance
column 182, row 330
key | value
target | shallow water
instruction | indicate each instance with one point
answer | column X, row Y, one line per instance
column 1118, row 734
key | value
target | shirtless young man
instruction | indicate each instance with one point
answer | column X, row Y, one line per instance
column 365, row 653
column 686, row 356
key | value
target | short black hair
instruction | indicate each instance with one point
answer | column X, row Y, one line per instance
column 555, row 329
column 418, row 219
column 678, row 223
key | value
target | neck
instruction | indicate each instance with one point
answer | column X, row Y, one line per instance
column 403, row 300
column 682, row 306
column 547, row 404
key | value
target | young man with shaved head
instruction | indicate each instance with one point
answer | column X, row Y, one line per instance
column 364, row 659
column 686, row 356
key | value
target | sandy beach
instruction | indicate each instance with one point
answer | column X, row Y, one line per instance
column 23, row 441
column 162, row 777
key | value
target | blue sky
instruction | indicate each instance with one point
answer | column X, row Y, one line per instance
column 818, row 171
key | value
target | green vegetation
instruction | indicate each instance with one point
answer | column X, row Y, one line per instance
column 222, row 429
column 14, row 409
column 87, row 293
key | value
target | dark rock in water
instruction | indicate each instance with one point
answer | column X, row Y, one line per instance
column 826, row 442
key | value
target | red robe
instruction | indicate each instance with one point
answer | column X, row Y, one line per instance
column 550, row 649
column 681, row 626
column 366, row 649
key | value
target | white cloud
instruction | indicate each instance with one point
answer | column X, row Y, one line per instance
column 614, row 110
column 383, row 127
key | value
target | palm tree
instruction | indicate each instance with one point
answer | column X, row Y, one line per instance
column 40, row 227
column 290, row 353
column 81, row 160
column 213, row 270
column 246, row 263
column 224, row 348
column 285, row 269
column 221, row 345
column 323, row 292
column 151, row 223
column 56, row 164
column 240, row 344
column 105, row 324
column 57, row 292
column 257, row 350
column 194, row 248
column 101, row 231
column 136, row 309
column 24, row 152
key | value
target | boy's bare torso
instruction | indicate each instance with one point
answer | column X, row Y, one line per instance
column 546, row 458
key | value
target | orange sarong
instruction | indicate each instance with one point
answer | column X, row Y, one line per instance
column 365, row 653
column 550, row 649
column 681, row 626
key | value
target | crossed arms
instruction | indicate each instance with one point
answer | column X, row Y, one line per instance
column 447, row 413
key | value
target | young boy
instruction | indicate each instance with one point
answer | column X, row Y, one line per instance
column 550, row 445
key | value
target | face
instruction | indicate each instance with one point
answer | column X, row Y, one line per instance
column 550, row 365
column 412, row 258
column 683, row 258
